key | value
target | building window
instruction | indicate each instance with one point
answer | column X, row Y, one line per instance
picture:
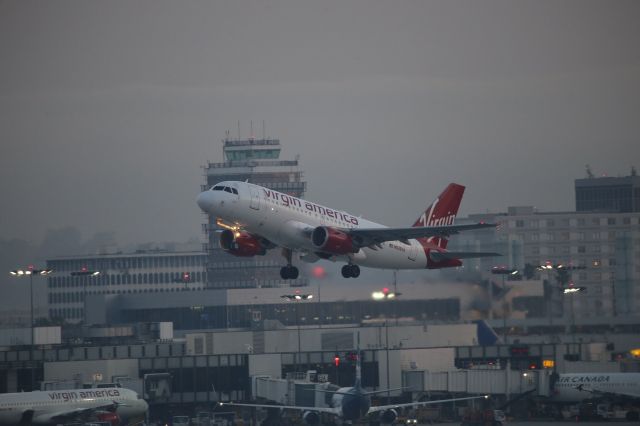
column 611, row 221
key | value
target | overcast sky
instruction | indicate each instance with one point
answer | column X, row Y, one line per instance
column 108, row 109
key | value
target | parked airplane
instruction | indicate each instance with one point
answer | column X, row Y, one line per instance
column 114, row 405
column 256, row 219
column 351, row 404
column 572, row 388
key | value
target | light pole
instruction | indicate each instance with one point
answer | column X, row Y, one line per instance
column 563, row 277
column 30, row 272
column 84, row 272
column 571, row 291
column 297, row 297
column 386, row 294
column 504, row 271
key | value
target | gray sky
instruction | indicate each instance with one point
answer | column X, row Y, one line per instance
column 108, row 109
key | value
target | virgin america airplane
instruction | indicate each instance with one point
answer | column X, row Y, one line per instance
column 255, row 219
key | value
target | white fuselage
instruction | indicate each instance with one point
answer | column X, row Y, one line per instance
column 48, row 404
column 287, row 221
column 582, row 386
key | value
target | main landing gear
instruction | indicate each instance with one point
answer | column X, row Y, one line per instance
column 351, row 271
column 288, row 272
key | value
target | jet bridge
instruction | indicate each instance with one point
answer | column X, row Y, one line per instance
column 505, row 382
column 295, row 390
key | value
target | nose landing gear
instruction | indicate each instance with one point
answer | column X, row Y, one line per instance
column 288, row 272
column 351, row 271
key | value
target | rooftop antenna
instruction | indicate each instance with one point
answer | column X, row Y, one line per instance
column 238, row 129
column 589, row 172
column 251, row 129
column 264, row 130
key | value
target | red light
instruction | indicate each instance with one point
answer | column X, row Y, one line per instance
column 319, row 272
column 385, row 290
column 336, row 360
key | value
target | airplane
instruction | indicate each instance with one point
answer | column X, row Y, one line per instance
column 578, row 387
column 351, row 404
column 255, row 219
column 113, row 405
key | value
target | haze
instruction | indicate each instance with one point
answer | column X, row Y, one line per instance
column 108, row 109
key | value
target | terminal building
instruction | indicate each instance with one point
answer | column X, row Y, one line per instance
column 256, row 161
column 144, row 272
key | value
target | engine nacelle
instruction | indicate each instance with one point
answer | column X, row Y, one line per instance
column 389, row 416
column 311, row 417
column 109, row 417
column 240, row 243
column 331, row 240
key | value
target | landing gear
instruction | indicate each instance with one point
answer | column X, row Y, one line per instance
column 288, row 272
column 351, row 271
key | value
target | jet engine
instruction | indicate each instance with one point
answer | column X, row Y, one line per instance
column 331, row 240
column 311, row 417
column 109, row 417
column 240, row 243
column 389, row 416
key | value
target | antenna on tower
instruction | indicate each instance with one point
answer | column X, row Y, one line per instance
column 264, row 131
column 589, row 172
column 238, row 129
column 251, row 129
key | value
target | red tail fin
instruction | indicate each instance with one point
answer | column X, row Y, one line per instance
column 442, row 212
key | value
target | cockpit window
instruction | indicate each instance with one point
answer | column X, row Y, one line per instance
column 235, row 191
column 227, row 189
column 218, row 188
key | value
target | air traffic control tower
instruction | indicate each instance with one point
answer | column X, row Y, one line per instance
column 258, row 161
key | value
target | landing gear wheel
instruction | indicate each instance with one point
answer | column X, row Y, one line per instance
column 293, row 272
column 289, row 272
column 351, row 271
column 355, row 271
column 346, row 271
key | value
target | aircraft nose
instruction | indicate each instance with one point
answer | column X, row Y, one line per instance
column 205, row 201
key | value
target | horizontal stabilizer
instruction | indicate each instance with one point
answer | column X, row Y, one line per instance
column 439, row 256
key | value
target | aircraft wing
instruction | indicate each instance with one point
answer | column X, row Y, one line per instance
column 444, row 255
column 371, row 236
column 379, row 408
column 329, row 410
column 607, row 393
